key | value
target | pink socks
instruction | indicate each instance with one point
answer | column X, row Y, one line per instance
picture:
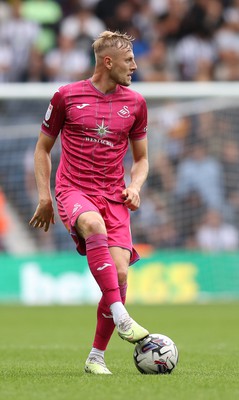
column 103, row 267
column 104, row 271
column 105, row 323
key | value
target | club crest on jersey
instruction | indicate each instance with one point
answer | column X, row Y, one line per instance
column 48, row 112
column 124, row 112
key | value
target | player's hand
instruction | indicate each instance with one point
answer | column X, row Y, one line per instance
column 43, row 216
column 132, row 199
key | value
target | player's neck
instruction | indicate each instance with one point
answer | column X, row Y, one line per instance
column 103, row 85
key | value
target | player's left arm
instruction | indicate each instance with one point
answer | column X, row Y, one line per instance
column 139, row 173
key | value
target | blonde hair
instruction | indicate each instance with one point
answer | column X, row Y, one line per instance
column 108, row 39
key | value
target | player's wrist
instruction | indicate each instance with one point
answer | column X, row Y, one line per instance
column 135, row 187
column 45, row 201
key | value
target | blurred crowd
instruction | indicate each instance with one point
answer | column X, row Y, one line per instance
column 175, row 40
column 191, row 198
column 192, row 202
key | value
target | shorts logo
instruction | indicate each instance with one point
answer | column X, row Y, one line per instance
column 48, row 112
column 124, row 112
column 77, row 207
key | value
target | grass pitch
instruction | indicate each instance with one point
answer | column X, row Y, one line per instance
column 43, row 350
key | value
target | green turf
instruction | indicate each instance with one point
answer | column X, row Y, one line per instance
column 43, row 349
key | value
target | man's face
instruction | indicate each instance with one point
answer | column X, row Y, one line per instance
column 123, row 66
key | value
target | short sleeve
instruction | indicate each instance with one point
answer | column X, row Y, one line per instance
column 55, row 115
column 139, row 128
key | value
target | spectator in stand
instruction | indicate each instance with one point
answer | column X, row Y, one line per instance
column 20, row 36
column 187, row 213
column 154, row 215
column 201, row 173
column 227, row 42
column 68, row 6
column 231, row 14
column 82, row 26
column 155, row 226
column 161, row 175
column 144, row 20
column 6, row 61
column 123, row 16
column 195, row 58
column 48, row 14
column 90, row 3
column 164, row 235
column 172, row 129
column 202, row 14
column 159, row 7
column 67, row 63
column 35, row 71
column 154, row 65
column 230, row 163
column 185, row 39
column 216, row 235
column 5, row 11
column 169, row 19
column 105, row 11
column 196, row 53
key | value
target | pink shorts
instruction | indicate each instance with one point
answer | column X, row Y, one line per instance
column 72, row 202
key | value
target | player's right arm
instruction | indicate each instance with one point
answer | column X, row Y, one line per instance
column 44, row 214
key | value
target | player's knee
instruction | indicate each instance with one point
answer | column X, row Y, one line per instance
column 90, row 225
column 122, row 276
column 121, row 258
column 96, row 226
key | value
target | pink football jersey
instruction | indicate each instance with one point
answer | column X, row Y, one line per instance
column 95, row 131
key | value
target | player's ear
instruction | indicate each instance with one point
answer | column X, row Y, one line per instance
column 108, row 62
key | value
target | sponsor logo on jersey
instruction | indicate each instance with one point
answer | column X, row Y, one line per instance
column 102, row 129
column 101, row 141
column 124, row 112
column 48, row 112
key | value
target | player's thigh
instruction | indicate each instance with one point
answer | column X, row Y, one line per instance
column 121, row 259
column 80, row 212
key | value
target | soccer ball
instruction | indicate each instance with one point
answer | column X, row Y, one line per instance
column 156, row 354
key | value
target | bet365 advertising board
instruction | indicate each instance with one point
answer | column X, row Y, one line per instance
column 162, row 277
